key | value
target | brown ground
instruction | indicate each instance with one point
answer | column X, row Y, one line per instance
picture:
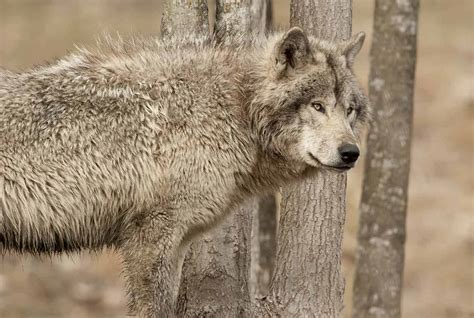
column 439, row 261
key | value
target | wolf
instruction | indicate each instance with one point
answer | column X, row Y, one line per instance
column 142, row 145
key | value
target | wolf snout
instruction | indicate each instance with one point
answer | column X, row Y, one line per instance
column 349, row 153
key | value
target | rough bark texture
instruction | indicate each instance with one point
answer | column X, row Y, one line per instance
column 215, row 277
column 233, row 18
column 380, row 254
column 216, row 270
column 184, row 16
column 327, row 19
column 307, row 281
column 264, row 224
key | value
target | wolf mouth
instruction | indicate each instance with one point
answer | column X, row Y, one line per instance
column 335, row 168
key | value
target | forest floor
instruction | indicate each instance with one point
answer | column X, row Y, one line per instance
column 439, row 269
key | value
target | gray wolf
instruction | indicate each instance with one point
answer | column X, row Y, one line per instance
column 142, row 145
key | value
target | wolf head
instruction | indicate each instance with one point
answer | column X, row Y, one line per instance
column 310, row 108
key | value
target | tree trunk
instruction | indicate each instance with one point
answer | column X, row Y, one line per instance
column 184, row 16
column 265, row 217
column 307, row 281
column 216, row 270
column 265, row 221
column 325, row 19
column 262, row 15
column 233, row 18
column 381, row 237
column 215, row 277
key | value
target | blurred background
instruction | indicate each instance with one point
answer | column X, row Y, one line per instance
column 439, row 269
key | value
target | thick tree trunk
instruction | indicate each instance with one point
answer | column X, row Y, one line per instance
column 307, row 281
column 216, row 270
column 380, row 254
column 184, row 17
column 326, row 19
column 215, row 277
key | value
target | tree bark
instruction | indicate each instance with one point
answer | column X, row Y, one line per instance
column 184, row 17
column 325, row 19
column 262, row 15
column 264, row 222
column 233, row 18
column 216, row 270
column 307, row 280
column 215, row 277
column 381, row 237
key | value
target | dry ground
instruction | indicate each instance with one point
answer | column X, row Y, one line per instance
column 439, row 260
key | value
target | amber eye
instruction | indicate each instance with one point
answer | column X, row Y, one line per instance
column 350, row 110
column 318, row 106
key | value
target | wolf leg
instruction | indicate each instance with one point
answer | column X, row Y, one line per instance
column 151, row 257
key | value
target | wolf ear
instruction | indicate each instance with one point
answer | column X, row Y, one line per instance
column 352, row 47
column 292, row 51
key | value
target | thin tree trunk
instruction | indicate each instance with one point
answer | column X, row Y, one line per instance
column 233, row 18
column 262, row 15
column 215, row 277
column 307, row 281
column 381, row 238
column 265, row 221
column 265, row 217
column 184, row 17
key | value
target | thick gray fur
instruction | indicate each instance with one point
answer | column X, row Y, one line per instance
column 142, row 145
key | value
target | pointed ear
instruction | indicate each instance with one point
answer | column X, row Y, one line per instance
column 292, row 51
column 352, row 47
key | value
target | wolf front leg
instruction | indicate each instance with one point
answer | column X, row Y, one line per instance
column 151, row 258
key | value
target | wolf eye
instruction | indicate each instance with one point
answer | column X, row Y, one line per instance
column 318, row 106
column 350, row 110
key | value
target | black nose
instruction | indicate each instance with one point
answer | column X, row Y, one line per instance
column 349, row 153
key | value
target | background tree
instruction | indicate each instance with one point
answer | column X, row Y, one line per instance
column 262, row 15
column 381, row 236
column 184, row 17
column 307, row 281
column 264, row 221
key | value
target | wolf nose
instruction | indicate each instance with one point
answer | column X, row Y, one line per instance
column 349, row 153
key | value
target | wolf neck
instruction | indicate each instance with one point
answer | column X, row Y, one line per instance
column 270, row 170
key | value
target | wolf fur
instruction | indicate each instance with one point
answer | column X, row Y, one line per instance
column 142, row 145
